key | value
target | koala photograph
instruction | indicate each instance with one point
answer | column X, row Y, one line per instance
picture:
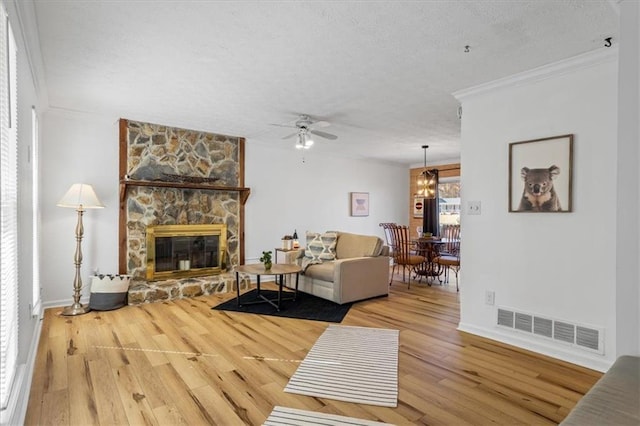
column 540, row 175
column 538, row 194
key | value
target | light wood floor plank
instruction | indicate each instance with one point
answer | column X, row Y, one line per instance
column 153, row 389
column 180, row 362
column 56, row 360
column 108, row 403
column 223, row 408
column 169, row 415
column 144, row 337
column 40, row 376
column 55, row 408
column 134, row 401
column 82, row 399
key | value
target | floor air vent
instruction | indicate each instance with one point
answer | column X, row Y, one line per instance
column 588, row 338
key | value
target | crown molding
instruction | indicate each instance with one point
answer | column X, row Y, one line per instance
column 25, row 15
column 555, row 69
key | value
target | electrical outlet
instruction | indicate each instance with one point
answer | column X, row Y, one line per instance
column 490, row 297
column 474, row 207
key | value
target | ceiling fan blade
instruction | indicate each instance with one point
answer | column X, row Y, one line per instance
column 282, row 125
column 321, row 123
column 324, row 134
column 290, row 136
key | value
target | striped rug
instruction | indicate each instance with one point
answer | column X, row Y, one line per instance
column 290, row 416
column 353, row 364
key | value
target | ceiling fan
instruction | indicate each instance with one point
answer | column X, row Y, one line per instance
column 306, row 127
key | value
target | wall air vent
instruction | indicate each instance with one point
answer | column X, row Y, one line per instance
column 587, row 337
column 524, row 322
column 565, row 332
column 505, row 318
column 543, row 327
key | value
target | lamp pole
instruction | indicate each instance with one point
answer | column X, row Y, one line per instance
column 80, row 196
column 77, row 308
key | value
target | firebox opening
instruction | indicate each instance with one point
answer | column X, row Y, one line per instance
column 175, row 251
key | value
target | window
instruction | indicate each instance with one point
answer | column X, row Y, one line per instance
column 8, row 210
column 449, row 192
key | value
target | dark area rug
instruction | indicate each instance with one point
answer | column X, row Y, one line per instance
column 306, row 306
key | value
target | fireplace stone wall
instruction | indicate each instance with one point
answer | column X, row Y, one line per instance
column 173, row 176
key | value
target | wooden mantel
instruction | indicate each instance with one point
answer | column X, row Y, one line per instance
column 244, row 192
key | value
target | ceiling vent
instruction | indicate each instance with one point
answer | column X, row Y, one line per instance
column 580, row 336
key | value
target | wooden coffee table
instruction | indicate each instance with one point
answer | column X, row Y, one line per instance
column 279, row 270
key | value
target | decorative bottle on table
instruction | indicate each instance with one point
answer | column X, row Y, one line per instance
column 296, row 243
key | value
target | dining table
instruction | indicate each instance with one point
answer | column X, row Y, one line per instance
column 429, row 248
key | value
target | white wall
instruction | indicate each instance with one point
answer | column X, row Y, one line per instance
column 628, row 267
column 557, row 265
column 288, row 195
column 77, row 148
column 285, row 195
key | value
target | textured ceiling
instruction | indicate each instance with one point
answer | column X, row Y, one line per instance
column 381, row 72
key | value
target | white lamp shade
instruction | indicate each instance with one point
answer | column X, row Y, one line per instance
column 80, row 196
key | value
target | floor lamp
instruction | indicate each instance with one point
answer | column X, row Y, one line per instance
column 80, row 197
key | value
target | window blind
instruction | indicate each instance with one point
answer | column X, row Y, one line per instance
column 35, row 208
column 8, row 209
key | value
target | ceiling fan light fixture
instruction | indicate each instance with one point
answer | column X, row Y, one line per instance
column 306, row 126
column 304, row 141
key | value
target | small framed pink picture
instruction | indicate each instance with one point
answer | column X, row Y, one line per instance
column 359, row 204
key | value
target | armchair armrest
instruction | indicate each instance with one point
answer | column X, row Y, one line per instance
column 361, row 277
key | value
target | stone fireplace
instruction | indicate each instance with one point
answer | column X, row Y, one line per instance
column 178, row 177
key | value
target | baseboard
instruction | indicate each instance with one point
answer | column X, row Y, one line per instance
column 595, row 362
column 65, row 302
column 19, row 399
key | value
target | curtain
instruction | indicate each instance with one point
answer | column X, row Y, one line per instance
column 431, row 211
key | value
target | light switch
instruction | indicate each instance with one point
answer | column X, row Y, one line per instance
column 489, row 297
column 473, row 207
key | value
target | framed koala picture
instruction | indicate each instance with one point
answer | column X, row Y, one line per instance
column 540, row 175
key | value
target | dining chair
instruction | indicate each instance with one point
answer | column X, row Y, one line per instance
column 388, row 237
column 402, row 253
column 386, row 226
column 450, row 236
column 450, row 260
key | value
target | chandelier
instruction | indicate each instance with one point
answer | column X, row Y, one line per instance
column 427, row 180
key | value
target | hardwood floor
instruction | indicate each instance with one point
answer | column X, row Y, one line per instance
column 181, row 362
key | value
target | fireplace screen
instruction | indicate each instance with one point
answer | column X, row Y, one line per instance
column 175, row 251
